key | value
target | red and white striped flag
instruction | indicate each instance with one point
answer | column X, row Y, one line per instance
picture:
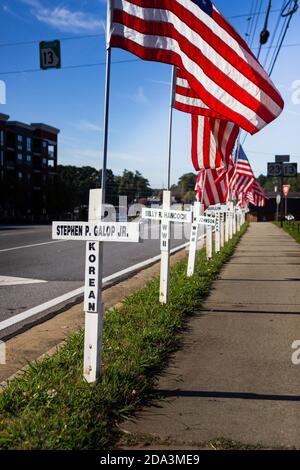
column 192, row 35
column 213, row 139
column 243, row 177
column 256, row 195
column 212, row 142
column 210, row 188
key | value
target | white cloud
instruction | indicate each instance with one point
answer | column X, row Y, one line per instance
column 138, row 97
column 64, row 19
column 88, row 126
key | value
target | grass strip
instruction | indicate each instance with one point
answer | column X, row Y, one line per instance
column 51, row 407
column 292, row 228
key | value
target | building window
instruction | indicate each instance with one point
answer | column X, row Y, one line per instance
column 28, row 177
column 51, row 150
column 20, row 142
column 20, row 157
column 45, row 145
column 44, row 161
column 28, row 144
column 20, row 175
column 50, row 163
column 1, row 158
column 28, row 158
column 1, row 137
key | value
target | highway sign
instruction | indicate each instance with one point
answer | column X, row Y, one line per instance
column 50, row 55
column 290, row 170
column 275, row 170
column 282, row 158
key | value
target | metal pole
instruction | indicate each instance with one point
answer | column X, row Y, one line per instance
column 165, row 229
column 106, row 119
column 171, row 125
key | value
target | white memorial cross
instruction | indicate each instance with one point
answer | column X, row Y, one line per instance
column 166, row 216
column 94, row 232
column 197, row 221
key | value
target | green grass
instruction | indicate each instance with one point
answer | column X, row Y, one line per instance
column 51, row 407
column 292, row 228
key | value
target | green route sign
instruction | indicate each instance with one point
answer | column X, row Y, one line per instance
column 50, row 55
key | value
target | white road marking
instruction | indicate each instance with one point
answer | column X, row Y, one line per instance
column 30, row 246
column 17, row 281
column 78, row 292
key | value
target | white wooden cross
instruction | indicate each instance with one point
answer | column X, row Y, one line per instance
column 166, row 216
column 198, row 220
column 94, row 232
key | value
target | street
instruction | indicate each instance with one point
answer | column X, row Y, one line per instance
column 34, row 269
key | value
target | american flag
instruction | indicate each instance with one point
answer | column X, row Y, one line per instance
column 210, row 188
column 212, row 142
column 256, row 195
column 192, row 35
column 243, row 177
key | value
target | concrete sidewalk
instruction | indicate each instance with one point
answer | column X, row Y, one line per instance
column 233, row 377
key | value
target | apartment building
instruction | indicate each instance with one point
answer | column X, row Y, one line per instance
column 28, row 166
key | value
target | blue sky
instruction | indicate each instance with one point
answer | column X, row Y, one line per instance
column 72, row 99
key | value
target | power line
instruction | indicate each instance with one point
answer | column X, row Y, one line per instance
column 256, row 23
column 68, row 67
column 36, row 41
column 274, row 35
column 99, row 64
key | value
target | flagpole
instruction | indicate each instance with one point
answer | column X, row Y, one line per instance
column 171, row 125
column 164, row 291
column 106, row 119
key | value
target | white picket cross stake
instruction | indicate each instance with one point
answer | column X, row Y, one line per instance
column 222, row 230
column 208, row 220
column 230, row 217
column 94, row 232
column 166, row 216
column 93, row 275
column 209, row 242
column 218, row 233
column 234, row 224
column 227, row 216
column 164, row 289
column 239, row 221
column 194, row 240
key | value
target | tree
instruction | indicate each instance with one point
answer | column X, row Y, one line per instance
column 187, row 182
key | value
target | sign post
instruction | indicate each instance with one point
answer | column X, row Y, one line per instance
column 166, row 216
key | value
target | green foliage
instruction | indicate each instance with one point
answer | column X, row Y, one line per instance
column 270, row 183
column 71, row 188
column 51, row 407
column 292, row 228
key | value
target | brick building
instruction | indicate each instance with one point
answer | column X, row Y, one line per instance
column 28, row 166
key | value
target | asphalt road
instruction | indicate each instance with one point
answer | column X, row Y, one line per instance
column 30, row 253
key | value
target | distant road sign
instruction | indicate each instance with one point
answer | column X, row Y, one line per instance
column 286, row 189
column 282, row 158
column 275, row 170
column 50, row 55
column 290, row 170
